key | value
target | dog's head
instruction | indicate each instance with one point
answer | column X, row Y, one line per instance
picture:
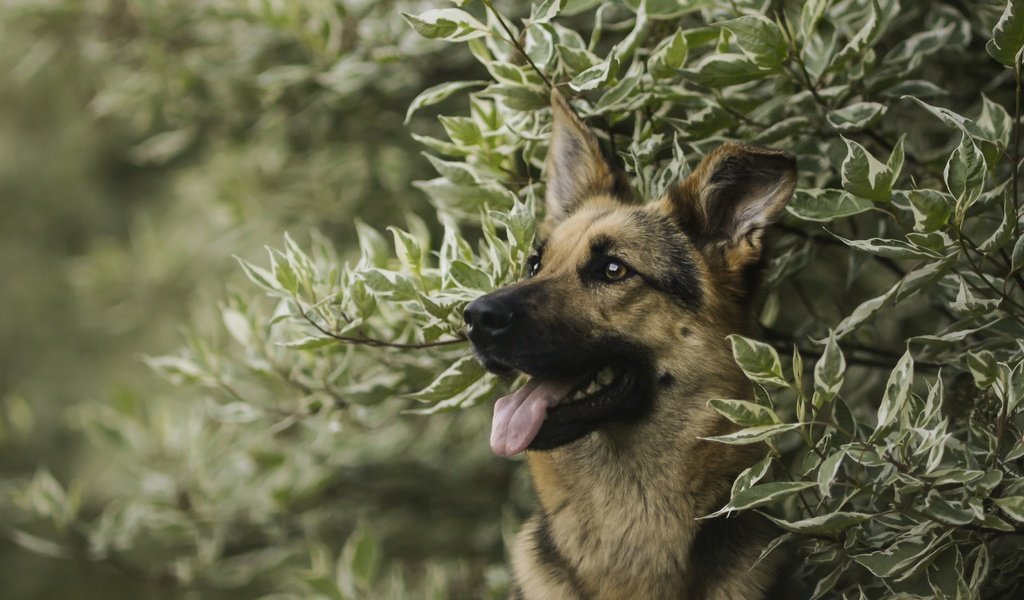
column 624, row 298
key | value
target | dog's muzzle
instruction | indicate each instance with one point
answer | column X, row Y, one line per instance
column 488, row 318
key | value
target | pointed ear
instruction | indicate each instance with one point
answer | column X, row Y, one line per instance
column 731, row 197
column 576, row 169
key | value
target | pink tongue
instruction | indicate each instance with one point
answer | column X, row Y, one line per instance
column 518, row 416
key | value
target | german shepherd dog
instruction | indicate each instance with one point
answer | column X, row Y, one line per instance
column 621, row 327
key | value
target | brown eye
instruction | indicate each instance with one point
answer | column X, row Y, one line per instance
column 615, row 271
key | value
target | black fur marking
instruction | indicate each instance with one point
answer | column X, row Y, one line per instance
column 717, row 545
column 601, row 246
column 549, row 555
column 685, row 331
column 666, row 379
column 679, row 277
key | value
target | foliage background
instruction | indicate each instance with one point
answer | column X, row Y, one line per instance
column 145, row 143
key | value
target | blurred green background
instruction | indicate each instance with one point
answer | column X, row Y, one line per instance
column 142, row 144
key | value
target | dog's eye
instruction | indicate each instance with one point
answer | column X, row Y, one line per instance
column 532, row 265
column 615, row 271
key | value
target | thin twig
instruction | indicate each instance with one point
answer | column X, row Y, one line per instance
column 376, row 343
column 515, row 42
column 1016, row 145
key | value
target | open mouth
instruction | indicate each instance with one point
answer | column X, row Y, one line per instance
column 548, row 412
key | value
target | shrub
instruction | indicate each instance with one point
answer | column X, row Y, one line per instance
column 890, row 387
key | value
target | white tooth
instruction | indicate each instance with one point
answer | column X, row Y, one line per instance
column 605, row 376
column 593, row 387
column 579, row 395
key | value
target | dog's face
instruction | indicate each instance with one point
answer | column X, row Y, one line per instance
column 624, row 299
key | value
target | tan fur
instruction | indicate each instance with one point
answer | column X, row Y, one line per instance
column 620, row 506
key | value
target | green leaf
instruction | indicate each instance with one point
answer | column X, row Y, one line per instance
column 751, row 475
column 982, row 365
column 388, row 285
column 284, row 272
column 620, row 95
column 519, row 97
column 451, row 381
column 753, row 435
column 995, row 122
column 358, row 563
column 856, row 117
column 438, row 93
column 177, row 369
column 760, row 39
column 758, row 360
column 576, row 59
column 892, row 248
column 865, row 36
column 474, row 393
column 931, row 208
column 965, row 176
column 1017, row 258
column 761, row 495
column 545, row 11
column 897, row 392
column 829, row 371
column 823, row 524
column 449, row 24
column 1008, row 34
column 866, row 176
column 824, row 205
column 827, row 472
column 669, row 9
column 744, row 413
column 258, row 275
column 938, row 507
column 596, row 76
column 465, row 201
column 470, row 277
column 238, row 325
column 311, row 343
column 723, row 70
column 810, row 14
column 1007, row 226
column 462, row 131
column 407, row 248
column 668, row 56
column 895, row 559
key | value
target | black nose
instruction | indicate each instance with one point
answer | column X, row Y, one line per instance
column 487, row 316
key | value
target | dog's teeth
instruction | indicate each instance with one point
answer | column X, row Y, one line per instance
column 594, row 387
column 579, row 395
column 605, row 376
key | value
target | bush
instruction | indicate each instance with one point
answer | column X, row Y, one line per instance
column 893, row 418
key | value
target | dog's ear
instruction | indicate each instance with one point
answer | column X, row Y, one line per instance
column 731, row 197
column 576, row 169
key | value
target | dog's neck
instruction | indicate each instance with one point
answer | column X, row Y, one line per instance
column 637, row 490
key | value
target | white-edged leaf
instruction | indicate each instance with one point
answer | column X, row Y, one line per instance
column 1008, row 34
column 758, row 360
column 761, row 495
column 449, row 24
column 438, row 93
column 753, row 435
column 824, row 205
column 744, row 413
